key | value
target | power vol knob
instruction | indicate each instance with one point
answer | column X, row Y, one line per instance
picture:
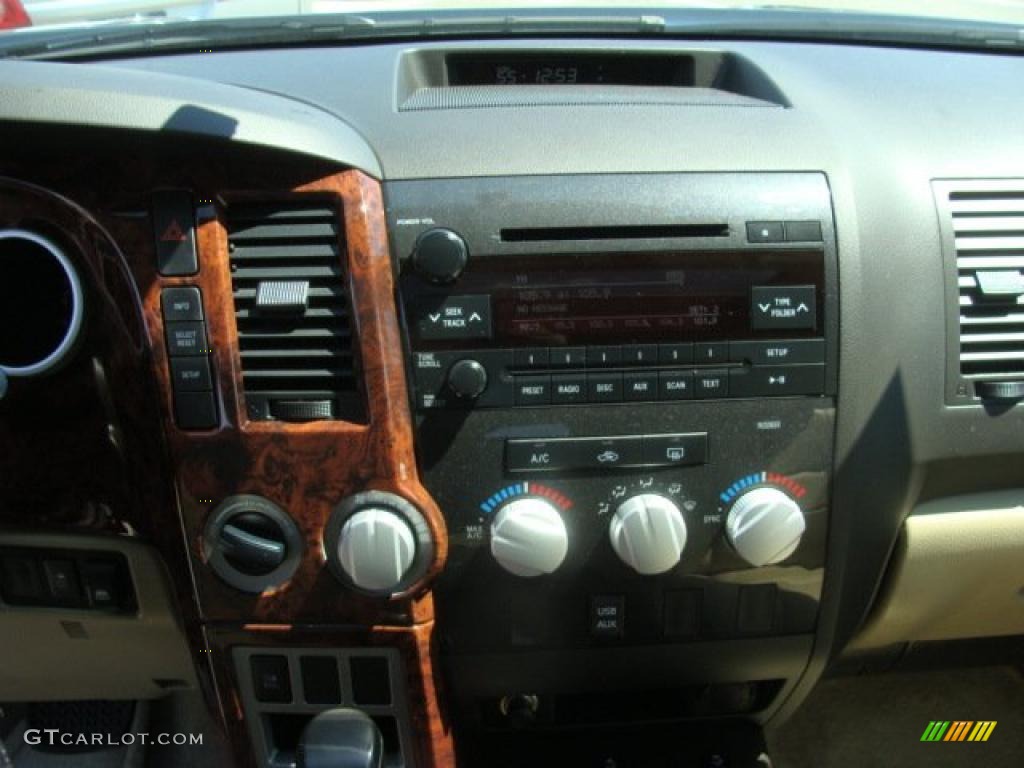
column 440, row 255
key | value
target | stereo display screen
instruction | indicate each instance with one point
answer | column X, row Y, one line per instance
column 551, row 300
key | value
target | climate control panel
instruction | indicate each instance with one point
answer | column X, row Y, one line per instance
column 715, row 507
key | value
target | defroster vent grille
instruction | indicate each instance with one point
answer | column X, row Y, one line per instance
column 292, row 312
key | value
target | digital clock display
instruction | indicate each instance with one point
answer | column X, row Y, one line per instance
column 569, row 69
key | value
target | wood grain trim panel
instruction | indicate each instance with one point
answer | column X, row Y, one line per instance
column 304, row 468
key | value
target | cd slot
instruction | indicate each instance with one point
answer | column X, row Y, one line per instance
column 618, row 232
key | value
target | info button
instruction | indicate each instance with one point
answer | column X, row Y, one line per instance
column 539, row 455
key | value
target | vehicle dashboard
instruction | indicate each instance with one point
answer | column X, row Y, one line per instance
column 323, row 170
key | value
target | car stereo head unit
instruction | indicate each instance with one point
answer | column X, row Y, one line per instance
column 522, row 292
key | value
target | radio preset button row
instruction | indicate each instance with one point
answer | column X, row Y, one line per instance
column 559, row 454
column 758, row 369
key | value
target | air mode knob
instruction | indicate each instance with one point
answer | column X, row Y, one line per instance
column 529, row 538
column 378, row 543
column 440, row 255
column 648, row 533
column 765, row 525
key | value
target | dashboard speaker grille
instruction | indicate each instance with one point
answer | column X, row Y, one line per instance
column 297, row 350
column 988, row 236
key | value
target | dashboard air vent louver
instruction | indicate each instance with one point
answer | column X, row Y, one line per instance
column 988, row 237
column 292, row 311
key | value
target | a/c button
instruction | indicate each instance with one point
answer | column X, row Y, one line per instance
column 540, row 455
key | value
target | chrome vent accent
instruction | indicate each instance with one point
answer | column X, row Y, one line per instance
column 988, row 238
column 291, row 308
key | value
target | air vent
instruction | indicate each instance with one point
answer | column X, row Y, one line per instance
column 988, row 237
column 291, row 307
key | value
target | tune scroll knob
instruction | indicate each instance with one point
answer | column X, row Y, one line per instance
column 467, row 379
column 529, row 537
column 378, row 543
column 440, row 255
column 648, row 533
column 765, row 526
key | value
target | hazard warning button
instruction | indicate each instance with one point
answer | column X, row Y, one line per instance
column 174, row 232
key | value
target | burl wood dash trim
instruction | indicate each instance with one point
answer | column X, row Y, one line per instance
column 305, row 468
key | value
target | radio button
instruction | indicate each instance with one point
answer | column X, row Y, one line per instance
column 609, row 452
column 708, row 352
column 640, row 386
column 675, row 354
column 794, row 352
column 568, row 357
column 676, row 450
column 675, row 385
column 775, row 307
column 567, row 389
column 770, row 381
column 711, row 384
column 604, row 387
column 533, row 390
column 598, row 356
column 640, row 354
column 532, row 357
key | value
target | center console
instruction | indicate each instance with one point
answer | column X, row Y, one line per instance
column 624, row 389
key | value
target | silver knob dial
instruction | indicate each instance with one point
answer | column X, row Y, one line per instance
column 648, row 533
column 376, row 549
column 528, row 537
column 764, row 526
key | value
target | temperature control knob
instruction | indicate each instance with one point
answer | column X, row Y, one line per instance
column 648, row 533
column 528, row 537
column 765, row 526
